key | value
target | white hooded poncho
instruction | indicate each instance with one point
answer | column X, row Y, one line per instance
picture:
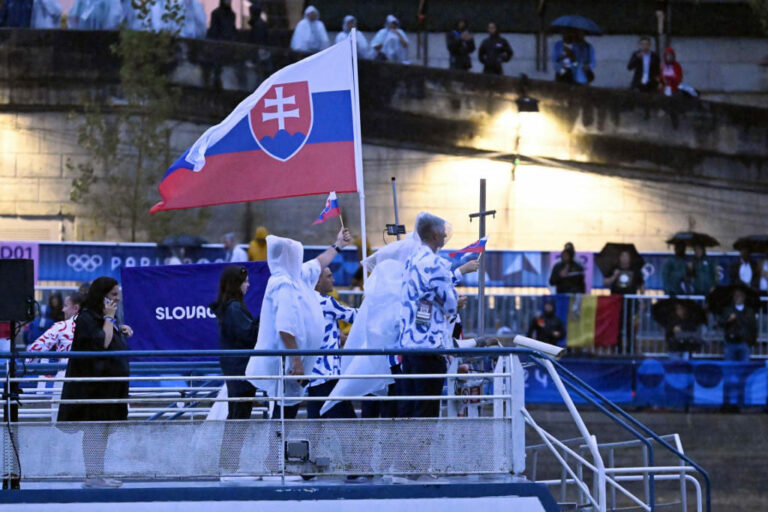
column 96, row 15
column 310, row 36
column 391, row 46
column 290, row 305
column 363, row 50
column 46, row 14
column 378, row 319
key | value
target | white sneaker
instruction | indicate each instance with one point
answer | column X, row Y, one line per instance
column 397, row 480
column 279, row 479
column 101, row 483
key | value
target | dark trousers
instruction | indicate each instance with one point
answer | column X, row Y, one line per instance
column 340, row 410
column 424, row 387
column 388, row 408
column 240, row 389
column 290, row 411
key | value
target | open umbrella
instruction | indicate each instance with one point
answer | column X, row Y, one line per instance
column 690, row 238
column 608, row 258
column 183, row 241
column 664, row 311
column 576, row 22
column 754, row 243
column 722, row 297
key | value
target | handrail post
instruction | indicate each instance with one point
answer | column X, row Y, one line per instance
column 281, row 396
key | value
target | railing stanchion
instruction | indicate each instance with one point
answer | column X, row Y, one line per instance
column 281, row 396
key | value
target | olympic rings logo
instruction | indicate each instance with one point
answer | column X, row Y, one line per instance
column 84, row 262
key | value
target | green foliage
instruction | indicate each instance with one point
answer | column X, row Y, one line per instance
column 127, row 139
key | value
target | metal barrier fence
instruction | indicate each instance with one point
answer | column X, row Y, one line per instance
column 490, row 442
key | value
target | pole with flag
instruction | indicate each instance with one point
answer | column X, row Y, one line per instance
column 297, row 134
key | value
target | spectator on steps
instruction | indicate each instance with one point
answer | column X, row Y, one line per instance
column 674, row 272
column 460, row 45
column 350, row 22
column 568, row 275
column 646, row 66
column 309, row 35
column 391, row 43
column 744, row 270
column 547, row 326
column 574, row 59
column 259, row 33
column 671, row 73
column 703, row 271
column 494, row 51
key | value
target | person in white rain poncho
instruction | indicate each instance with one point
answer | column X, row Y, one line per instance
column 391, row 43
column 350, row 22
column 291, row 317
column 310, row 35
column 95, row 15
column 193, row 24
column 46, row 14
column 377, row 325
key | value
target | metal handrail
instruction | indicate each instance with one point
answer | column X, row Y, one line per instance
column 627, row 417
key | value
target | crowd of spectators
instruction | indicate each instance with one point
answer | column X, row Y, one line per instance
column 573, row 57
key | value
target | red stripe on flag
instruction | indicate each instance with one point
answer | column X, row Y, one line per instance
column 607, row 320
column 254, row 176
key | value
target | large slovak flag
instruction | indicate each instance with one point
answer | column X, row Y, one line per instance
column 297, row 134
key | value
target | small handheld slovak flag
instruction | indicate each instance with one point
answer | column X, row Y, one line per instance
column 477, row 247
column 331, row 210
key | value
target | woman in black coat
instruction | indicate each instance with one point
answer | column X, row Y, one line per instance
column 97, row 330
column 237, row 331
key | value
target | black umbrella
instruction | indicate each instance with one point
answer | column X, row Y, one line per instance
column 690, row 238
column 183, row 241
column 608, row 258
column 753, row 243
column 576, row 22
column 722, row 297
column 664, row 311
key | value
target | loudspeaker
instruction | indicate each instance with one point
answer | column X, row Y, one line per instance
column 17, row 290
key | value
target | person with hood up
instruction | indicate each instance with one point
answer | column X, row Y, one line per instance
column 46, row 14
column 494, row 51
column 291, row 318
column 310, row 35
column 350, row 22
column 671, row 73
column 568, row 275
column 390, row 43
column 95, row 15
column 257, row 249
column 460, row 45
column 547, row 326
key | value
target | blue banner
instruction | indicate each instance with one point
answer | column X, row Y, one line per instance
column 667, row 383
column 167, row 306
column 86, row 261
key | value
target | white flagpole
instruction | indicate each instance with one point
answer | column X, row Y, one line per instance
column 358, row 146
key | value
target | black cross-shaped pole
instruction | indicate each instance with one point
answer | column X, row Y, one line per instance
column 482, row 214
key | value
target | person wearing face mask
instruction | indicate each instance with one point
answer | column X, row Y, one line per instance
column 291, row 318
column 547, row 326
column 740, row 324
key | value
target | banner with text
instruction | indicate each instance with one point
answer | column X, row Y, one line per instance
column 167, row 306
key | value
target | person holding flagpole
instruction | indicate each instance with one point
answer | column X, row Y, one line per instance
column 291, row 318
